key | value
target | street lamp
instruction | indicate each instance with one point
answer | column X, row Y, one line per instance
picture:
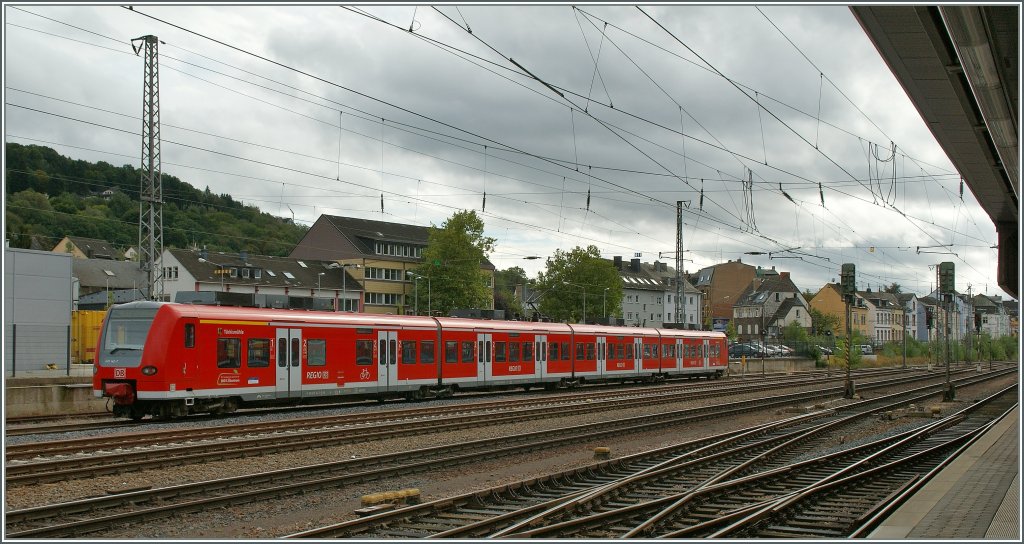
column 220, row 272
column 344, row 279
column 584, row 299
column 604, row 304
column 416, row 291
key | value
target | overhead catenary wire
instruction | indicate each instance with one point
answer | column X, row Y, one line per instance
column 819, row 187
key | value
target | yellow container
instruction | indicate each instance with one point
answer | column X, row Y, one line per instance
column 85, row 333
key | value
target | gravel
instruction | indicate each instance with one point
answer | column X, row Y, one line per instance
column 283, row 516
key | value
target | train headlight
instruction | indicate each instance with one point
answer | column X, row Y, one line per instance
column 148, row 370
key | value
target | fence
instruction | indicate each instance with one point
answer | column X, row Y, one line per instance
column 33, row 347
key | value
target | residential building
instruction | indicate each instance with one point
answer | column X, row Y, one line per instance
column 990, row 316
column 721, row 286
column 885, row 316
column 829, row 301
column 231, row 279
column 87, row 248
column 690, row 308
column 384, row 252
column 649, row 295
column 767, row 305
column 102, row 282
column 914, row 316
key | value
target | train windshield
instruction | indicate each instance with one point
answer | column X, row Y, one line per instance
column 127, row 328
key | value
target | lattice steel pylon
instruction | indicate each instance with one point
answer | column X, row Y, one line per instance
column 680, row 292
column 151, row 197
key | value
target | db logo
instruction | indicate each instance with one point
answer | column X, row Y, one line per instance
column 364, row 375
column 119, row 373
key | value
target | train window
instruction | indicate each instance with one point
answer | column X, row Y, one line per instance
column 600, row 351
column 553, row 351
column 480, row 352
column 393, row 352
column 620, row 352
column 499, row 352
column 566, row 351
column 579, row 351
column 259, row 353
column 590, row 351
column 467, row 352
column 228, row 352
column 451, row 351
column 316, row 352
column 296, row 352
column 629, row 351
column 513, row 352
column 190, row 335
column 409, row 352
column 364, row 352
column 427, row 352
column 382, row 352
column 282, row 354
column 527, row 352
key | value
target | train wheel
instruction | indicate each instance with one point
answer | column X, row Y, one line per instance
column 137, row 414
column 526, row 388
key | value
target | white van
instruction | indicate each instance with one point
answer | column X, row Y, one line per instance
column 866, row 349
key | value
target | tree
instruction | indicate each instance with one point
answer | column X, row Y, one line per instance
column 579, row 285
column 730, row 331
column 794, row 333
column 451, row 265
column 893, row 289
column 505, row 283
column 822, row 324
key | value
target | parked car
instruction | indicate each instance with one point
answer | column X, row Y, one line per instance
column 866, row 349
column 785, row 351
column 824, row 350
column 739, row 350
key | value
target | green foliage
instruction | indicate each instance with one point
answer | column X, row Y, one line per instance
column 451, row 265
column 579, row 279
column 730, row 331
column 50, row 196
column 794, row 333
column 893, row 289
column 847, row 357
column 822, row 322
column 505, row 282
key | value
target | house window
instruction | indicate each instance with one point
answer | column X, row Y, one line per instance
column 234, row 272
column 245, row 273
column 257, row 273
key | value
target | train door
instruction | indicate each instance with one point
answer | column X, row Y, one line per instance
column 540, row 353
column 387, row 359
column 602, row 355
column 679, row 354
column 638, row 355
column 483, row 357
column 289, row 363
column 705, row 353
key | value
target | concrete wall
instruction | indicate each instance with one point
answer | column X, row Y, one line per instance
column 753, row 366
column 50, row 396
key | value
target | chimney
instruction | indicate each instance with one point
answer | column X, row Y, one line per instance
column 617, row 260
column 634, row 265
column 784, row 275
column 203, row 254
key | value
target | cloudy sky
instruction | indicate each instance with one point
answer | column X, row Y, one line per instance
column 582, row 126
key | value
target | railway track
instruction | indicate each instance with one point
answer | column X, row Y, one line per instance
column 27, row 463
column 635, row 496
column 97, row 513
column 39, row 425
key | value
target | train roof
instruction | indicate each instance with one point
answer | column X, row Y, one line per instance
column 286, row 317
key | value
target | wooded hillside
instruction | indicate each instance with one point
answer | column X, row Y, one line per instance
column 49, row 196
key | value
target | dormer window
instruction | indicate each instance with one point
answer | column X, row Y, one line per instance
column 257, row 273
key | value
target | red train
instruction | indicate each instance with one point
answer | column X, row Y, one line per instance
column 166, row 360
